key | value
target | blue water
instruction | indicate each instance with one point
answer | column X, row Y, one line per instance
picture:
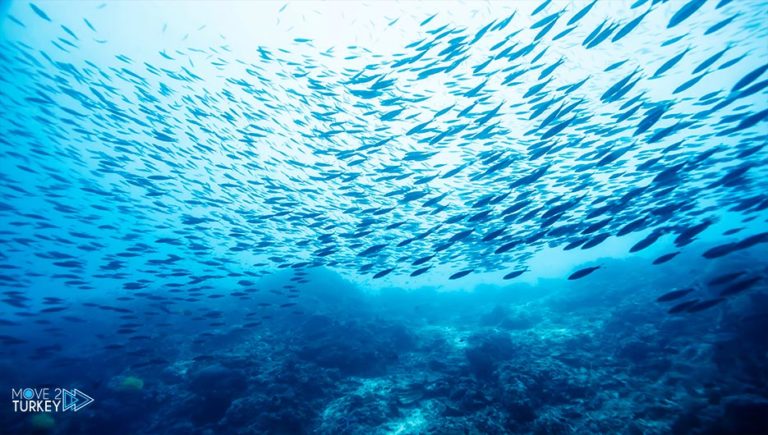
column 384, row 217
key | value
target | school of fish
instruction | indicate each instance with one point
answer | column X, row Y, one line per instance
column 470, row 148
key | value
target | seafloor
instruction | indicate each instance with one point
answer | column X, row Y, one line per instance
column 598, row 356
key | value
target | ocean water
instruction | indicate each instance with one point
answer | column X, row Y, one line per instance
column 384, row 217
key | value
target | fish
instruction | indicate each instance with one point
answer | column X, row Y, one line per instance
column 706, row 63
column 581, row 273
column 703, row 305
column 683, row 306
column 715, row 27
column 647, row 241
column 725, row 249
column 740, row 286
column 674, row 294
column 514, row 274
column 39, row 12
column 596, row 240
column 687, row 235
column 666, row 257
column 624, row 31
column 383, row 273
column 460, row 274
column 749, row 78
column 684, row 12
column 666, row 66
column 725, row 278
column 581, row 13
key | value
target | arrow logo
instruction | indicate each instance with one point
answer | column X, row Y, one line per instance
column 74, row 400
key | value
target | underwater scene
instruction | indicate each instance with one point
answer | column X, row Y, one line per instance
column 384, row 217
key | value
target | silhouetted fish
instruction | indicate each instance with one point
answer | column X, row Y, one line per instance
column 683, row 306
column 740, row 286
column 674, row 294
column 703, row 305
column 725, row 278
column 583, row 272
column 514, row 274
column 666, row 257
